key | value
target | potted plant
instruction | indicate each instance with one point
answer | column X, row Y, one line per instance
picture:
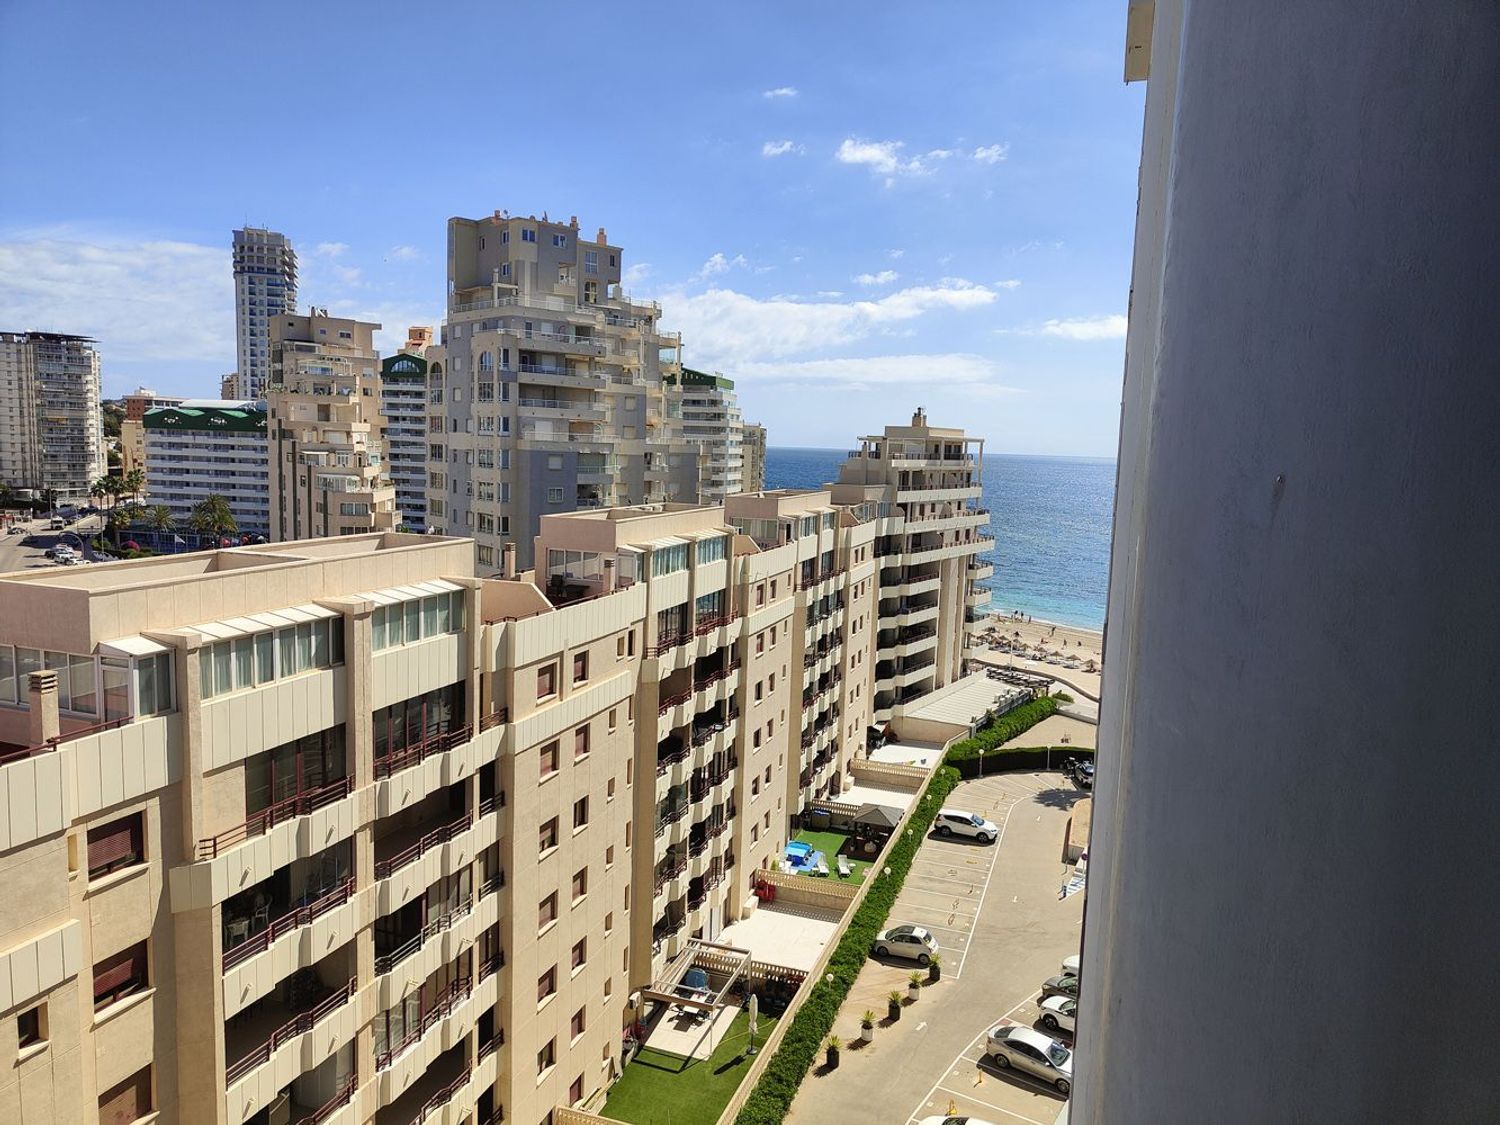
column 935, row 969
column 914, row 986
column 832, row 1055
column 867, row 1026
column 893, row 1006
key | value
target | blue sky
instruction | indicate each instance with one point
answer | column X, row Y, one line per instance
column 851, row 209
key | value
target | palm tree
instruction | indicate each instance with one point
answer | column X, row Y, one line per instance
column 98, row 490
column 158, row 517
column 213, row 517
column 134, row 483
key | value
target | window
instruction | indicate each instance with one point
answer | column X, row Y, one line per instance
column 760, row 643
column 579, row 957
column 546, row 985
column 580, row 883
column 120, row 976
column 548, row 763
column 547, row 836
column 117, row 845
column 580, row 667
column 609, row 789
column 609, row 856
column 259, row 659
column 546, row 1058
column 546, row 912
column 609, row 922
column 31, row 1026
column 528, row 235
column 759, row 691
column 559, row 240
column 411, row 722
column 591, row 261
column 580, row 742
column 546, row 681
column 711, row 550
column 153, row 684
column 580, row 812
column 668, row 560
column 554, row 495
column 613, row 720
column 129, row 1101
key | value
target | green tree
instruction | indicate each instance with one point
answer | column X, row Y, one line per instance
column 158, row 517
column 134, row 483
column 213, row 517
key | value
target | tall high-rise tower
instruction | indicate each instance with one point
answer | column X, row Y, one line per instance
column 265, row 284
column 50, row 428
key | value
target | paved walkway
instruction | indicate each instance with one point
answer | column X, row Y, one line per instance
column 1019, row 935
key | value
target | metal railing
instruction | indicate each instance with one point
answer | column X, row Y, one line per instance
column 455, row 994
column 294, row 919
column 294, row 1027
column 674, row 699
column 388, row 961
column 397, row 760
column 677, row 867
column 66, row 736
column 441, row 1098
column 332, row 1105
column 385, row 868
column 670, row 758
column 259, row 823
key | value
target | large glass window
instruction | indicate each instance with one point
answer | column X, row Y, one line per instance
column 711, row 550
column 303, row 766
column 153, row 684
column 417, row 719
column 416, row 620
column 668, row 560
column 246, row 662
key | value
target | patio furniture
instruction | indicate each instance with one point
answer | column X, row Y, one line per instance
column 694, row 986
column 822, row 867
column 844, row 869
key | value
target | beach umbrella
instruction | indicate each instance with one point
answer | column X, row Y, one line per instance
column 754, row 1019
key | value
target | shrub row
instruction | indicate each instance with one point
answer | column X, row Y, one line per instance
column 1002, row 728
column 1021, row 758
column 772, row 1097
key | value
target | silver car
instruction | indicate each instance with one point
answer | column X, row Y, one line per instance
column 1034, row 1053
column 1059, row 1013
column 911, row 942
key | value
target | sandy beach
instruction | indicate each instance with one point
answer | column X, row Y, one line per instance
column 1032, row 646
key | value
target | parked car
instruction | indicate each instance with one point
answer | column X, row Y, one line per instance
column 1081, row 772
column 57, row 523
column 1072, row 966
column 1064, row 984
column 954, row 822
column 911, row 942
column 16, row 529
column 1034, row 1053
column 1058, row 1013
column 59, row 551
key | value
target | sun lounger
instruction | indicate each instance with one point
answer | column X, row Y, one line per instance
column 844, row 869
column 823, row 868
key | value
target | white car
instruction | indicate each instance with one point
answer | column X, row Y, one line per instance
column 911, row 942
column 1073, row 966
column 1034, row 1053
column 954, row 822
column 1058, row 1013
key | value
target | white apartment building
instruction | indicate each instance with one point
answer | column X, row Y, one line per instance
column 133, row 429
column 210, row 447
column 403, row 404
column 327, row 449
column 711, row 420
column 51, row 428
column 265, row 286
column 548, row 392
column 921, row 485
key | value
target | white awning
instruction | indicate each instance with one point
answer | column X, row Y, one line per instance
column 135, row 645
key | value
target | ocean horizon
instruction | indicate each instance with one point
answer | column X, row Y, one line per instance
column 1050, row 515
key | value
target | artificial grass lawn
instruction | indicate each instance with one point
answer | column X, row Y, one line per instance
column 829, row 844
column 662, row 1089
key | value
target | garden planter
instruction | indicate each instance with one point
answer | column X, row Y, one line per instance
column 831, row 1058
column 893, row 1010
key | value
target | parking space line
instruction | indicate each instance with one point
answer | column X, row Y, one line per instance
column 946, row 879
column 994, row 859
column 972, row 1043
column 969, row 1096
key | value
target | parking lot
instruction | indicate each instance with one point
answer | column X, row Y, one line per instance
column 1003, row 929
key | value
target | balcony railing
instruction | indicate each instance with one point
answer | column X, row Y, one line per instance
column 441, row 1098
column 714, row 677
column 450, row 998
column 259, row 823
column 297, row 1025
column 711, row 622
column 674, row 699
column 668, row 641
column 292, row 920
column 385, row 868
column 670, row 872
column 388, row 961
column 494, row 718
column 340, row 1099
column 671, row 816
column 53, row 743
column 670, row 758
column 398, row 760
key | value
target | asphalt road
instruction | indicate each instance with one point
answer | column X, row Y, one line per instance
column 23, row 552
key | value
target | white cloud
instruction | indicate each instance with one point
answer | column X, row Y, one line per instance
column 1087, row 328
column 991, row 154
column 394, row 319
column 331, row 249
column 829, row 293
column 349, row 275
column 973, row 374
column 781, row 148
column 404, row 253
column 728, row 329
column 152, row 301
column 1009, row 283
column 781, row 92
column 895, row 254
column 884, row 277
column 884, row 158
column 720, row 264
column 635, row 274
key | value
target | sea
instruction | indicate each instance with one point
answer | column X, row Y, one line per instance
column 1050, row 517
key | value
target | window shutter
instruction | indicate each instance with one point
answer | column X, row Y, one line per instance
column 113, row 973
column 114, row 844
column 127, row 1102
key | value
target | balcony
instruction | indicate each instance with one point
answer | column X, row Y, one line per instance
column 424, row 1100
column 400, row 856
column 241, row 945
column 266, row 1025
column 391, row 952
column 669, row 752
column 407, row 756
column 442, row 1006
column 262, row 821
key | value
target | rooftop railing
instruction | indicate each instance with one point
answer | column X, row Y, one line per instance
column 51, row 744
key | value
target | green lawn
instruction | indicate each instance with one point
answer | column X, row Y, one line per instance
column 662, row 1089
column 829, row 844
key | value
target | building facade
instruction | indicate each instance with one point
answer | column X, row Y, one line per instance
column 210, row 447
column 306, row 822
column 403, row 404
column 51, row 426
column 265, row 286
column 711, row 420
column 920, row 485
column 753, row 455
column 133, row 429
column 548, row 392
column 326, row 432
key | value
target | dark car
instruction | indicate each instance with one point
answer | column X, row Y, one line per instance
column 1061, row 985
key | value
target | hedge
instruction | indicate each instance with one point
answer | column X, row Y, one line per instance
column 1021, row 758
column 1001, row 729
column 772, row 1097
